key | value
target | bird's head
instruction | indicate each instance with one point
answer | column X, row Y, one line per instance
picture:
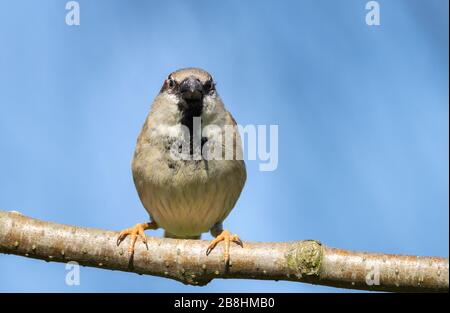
column 185, row 94
column 189, row 87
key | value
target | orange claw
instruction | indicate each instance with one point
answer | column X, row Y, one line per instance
column 135, row 232
column 227, row 238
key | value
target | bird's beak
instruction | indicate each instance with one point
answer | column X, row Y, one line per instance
column 191, row 89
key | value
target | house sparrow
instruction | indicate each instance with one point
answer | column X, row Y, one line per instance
column 191, row 195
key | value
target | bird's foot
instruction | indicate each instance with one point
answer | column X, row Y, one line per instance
column 226, row 237
column 135, row 232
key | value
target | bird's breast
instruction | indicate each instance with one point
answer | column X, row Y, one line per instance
column 187, row 198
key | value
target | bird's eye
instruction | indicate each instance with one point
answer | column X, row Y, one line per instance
column 169, row 85
column 209, row 86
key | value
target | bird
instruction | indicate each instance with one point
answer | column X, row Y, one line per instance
column 192, row 193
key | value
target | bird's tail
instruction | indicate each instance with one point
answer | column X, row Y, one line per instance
column 169, row 235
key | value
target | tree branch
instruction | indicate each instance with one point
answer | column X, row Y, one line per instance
column 184, row 260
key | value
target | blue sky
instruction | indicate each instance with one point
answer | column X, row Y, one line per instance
column 362, row 114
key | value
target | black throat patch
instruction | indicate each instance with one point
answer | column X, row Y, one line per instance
column 190, row 109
